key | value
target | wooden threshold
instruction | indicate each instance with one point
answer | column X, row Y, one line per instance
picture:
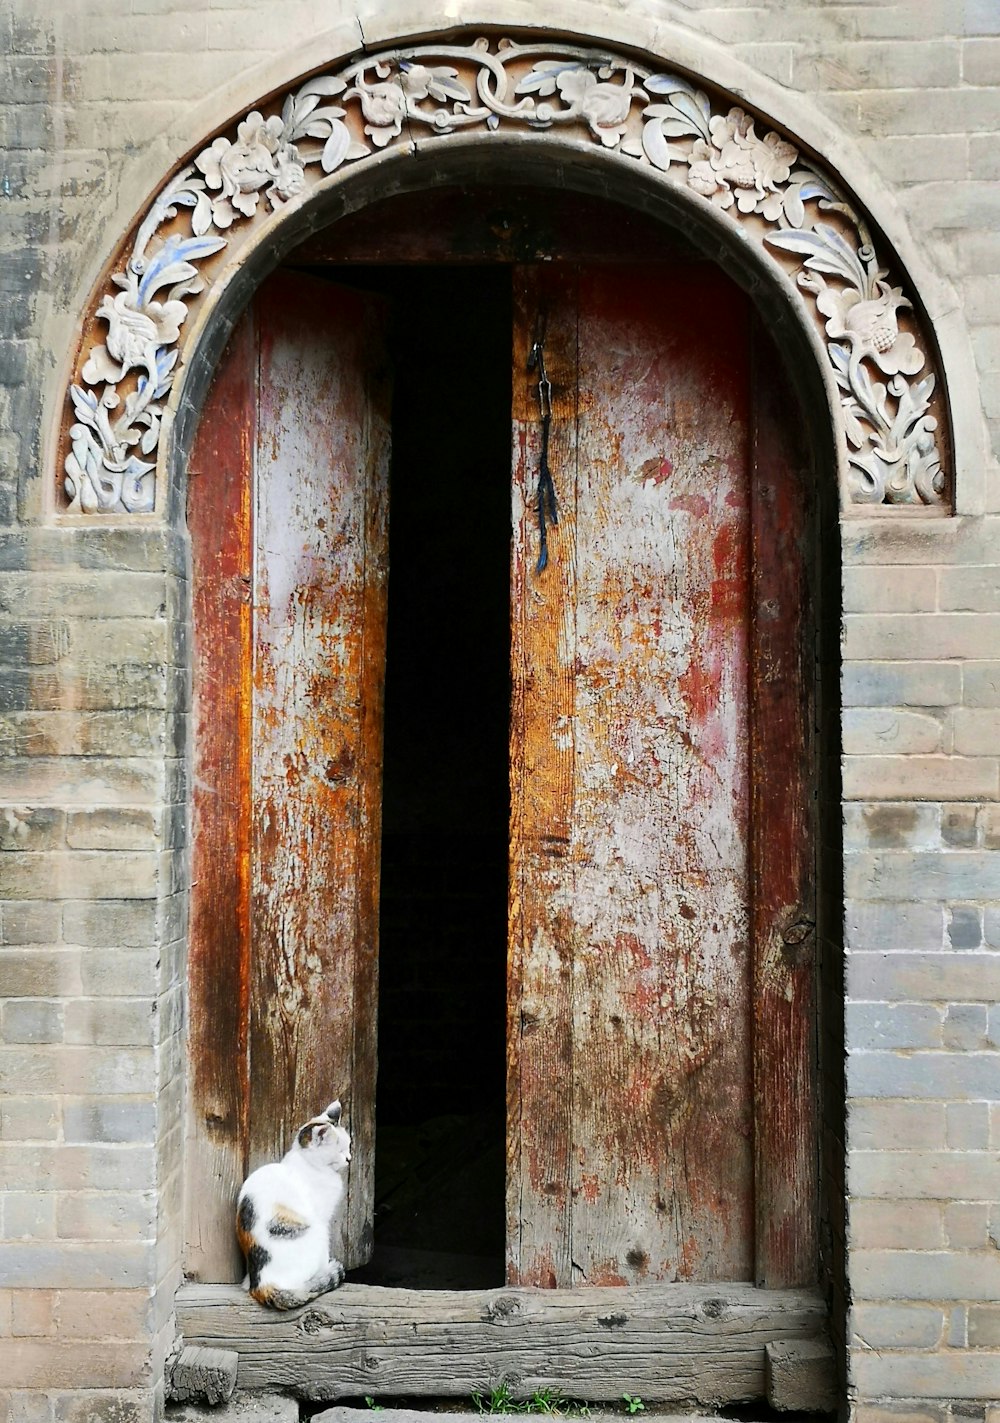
column 675, row 1343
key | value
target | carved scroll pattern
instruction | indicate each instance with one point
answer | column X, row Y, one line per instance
column 660, row 120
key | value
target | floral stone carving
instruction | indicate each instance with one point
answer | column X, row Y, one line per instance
column 659, row 120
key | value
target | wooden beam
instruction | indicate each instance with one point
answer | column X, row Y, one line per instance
column 669, row 1343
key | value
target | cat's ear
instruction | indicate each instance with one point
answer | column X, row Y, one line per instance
column 333, row 1112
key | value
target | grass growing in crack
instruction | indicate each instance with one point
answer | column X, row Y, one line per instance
column 543, row 1400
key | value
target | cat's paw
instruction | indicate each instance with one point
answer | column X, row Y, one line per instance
column 336, row 1274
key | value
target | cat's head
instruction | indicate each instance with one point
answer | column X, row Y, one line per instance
column 324, row 1141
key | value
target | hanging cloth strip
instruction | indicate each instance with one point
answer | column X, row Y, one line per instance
column 548, row 511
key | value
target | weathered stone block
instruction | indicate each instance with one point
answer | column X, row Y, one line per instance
column 29, row 1215
column 41, row 973
column 30, row 1118
column 893, row 1025
column 965, row 926
column 966, row 1224
column 896, row 1125
column 32, row 1020
column 901, row 684
column 122, row 1022
column 33, row 923
column 968, row 1125
column 965, row 1026
column 942, row 1075
column 919, row 777
column 109, row 1121
column 894, row 1326
column 890, row 925
column 870, row 732
column 112, row 924
column 896, row 1225
column 109, row 1215
column 801, row 1375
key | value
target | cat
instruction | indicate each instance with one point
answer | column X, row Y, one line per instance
column 286, row 1213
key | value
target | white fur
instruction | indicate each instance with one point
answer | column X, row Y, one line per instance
column 291, row 1207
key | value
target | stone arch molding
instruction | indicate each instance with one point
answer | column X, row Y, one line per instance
column 889, row 406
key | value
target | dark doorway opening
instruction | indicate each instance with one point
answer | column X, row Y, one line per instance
column 440, row 1133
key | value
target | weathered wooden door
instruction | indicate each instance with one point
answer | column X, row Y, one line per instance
column 660, row 1043
column 288, row 517
column 661, row 1094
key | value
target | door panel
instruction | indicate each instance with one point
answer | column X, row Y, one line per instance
column 632, row 1055
column 312, row 736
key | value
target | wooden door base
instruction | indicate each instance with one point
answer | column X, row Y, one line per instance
column 701, row 1344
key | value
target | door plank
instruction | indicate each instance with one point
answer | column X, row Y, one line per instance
column 219, row 521
column 783, row 864
column 669, row 1343
column 319, row 598
column 662, row 1116
column 542, row 757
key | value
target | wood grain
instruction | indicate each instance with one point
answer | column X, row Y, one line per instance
column 674, row 1343
column 542, row 765
column 219, row 520
column 662, row 1115
column 319, row 640
column 783, row 853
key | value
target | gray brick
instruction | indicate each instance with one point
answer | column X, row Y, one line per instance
column 106, row 1215
column 29, row 1215
column 112, row 828
column 871, row 732
column 115, row 1022
column 984, row 1326
column 30, row 1118
column 925, row 1275
column 965, row 926
column 101, row 1266
column 32, row 1020
column 109, row 1121
column 933, row 1175
column 901, row 684
column 954, row 1375
column 958, row 874
column 924, row 977
column 960, row 828
column 895, row 1025
column 897, row 1326
column 896, row 1125
column 57, row 1069
column 36, row 923
column 110, row 924
column 966, row 1224
column 895, row 1224
column 887, row 826
column 892, row 925
column 54, row 1166
column 945, row 1075
column 24, row 827
column 965, row 1026
column 901, row 636
column 69, row 874
column 40, row 973
column 968, row 1126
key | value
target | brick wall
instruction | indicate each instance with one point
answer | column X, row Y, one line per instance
column 97, row 100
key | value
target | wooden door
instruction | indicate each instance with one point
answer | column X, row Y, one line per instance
column 288, row 516
column 660, row 1043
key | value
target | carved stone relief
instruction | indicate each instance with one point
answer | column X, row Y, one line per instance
column 662, row 121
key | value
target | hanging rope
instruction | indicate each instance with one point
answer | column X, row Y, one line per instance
column 548, row 511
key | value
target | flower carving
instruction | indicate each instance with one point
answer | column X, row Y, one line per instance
column 871, row 327
column 888, row 423
column 134, row 333
column 240, row 170
column 739, row 166
column 606, row 107
column 384, row 108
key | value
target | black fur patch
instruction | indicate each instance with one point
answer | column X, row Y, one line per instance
column 246, row 1215
column 286, row 1228
column 257, row 1258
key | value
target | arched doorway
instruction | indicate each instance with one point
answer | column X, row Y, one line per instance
column 661, row 1094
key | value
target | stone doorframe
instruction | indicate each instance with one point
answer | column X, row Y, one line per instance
column 623, row 108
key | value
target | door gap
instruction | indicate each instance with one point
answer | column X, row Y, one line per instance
column 440, row 1098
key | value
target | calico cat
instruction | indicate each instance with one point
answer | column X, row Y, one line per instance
column 285, row 1215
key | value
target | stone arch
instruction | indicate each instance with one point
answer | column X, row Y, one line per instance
column 598, row 120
